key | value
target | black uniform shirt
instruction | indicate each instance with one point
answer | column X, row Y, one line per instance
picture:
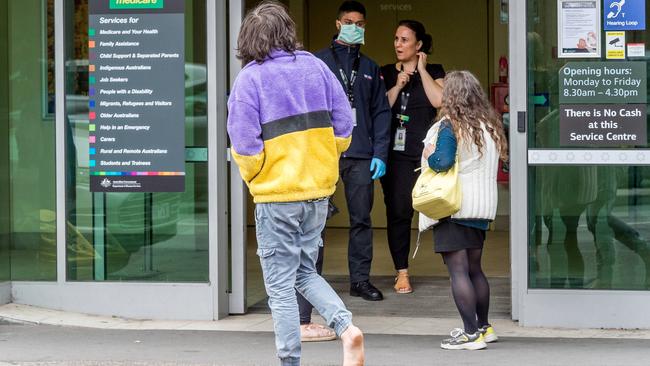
column 370, row 137
column 420, row 111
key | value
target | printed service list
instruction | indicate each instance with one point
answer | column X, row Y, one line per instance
column 136, row 98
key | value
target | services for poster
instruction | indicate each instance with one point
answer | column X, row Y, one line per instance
column 579, row 29
column 136, row 95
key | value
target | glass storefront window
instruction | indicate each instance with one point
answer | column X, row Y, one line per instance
column 588, row 223
column 5, row 265
column 590, row 227
column 27, row 137
column 545, row 78
column 157, row 237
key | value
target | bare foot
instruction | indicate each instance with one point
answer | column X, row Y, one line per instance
column 353, row 353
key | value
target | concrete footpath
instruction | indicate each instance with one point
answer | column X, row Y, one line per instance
column 120, row 342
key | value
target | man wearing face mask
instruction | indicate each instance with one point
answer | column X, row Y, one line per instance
column 365, row 160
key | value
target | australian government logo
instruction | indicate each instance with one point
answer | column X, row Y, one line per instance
column 120, row 184
column 126, row 184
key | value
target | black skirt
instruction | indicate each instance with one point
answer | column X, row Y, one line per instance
column 449, row 236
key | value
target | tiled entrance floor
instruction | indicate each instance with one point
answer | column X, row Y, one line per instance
column 431, row 297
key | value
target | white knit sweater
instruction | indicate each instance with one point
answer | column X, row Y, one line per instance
column 478, row 177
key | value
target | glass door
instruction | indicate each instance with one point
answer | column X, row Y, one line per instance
column 156, row 253
column 133, row 236
column 5, row 267
column 27, row 142
column 587, row 262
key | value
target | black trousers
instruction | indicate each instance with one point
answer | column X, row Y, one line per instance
column 359, row 195
column 397, row 185
column 304, row 306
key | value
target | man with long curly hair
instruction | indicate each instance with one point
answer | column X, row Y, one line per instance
column 289, row 121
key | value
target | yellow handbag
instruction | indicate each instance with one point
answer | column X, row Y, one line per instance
column 437, row 195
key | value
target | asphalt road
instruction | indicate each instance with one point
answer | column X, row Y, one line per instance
column 33, row 345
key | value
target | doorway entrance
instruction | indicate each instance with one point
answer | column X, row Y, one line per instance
column 457, row 47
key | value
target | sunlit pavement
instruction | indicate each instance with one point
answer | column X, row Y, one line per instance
column 84, row 340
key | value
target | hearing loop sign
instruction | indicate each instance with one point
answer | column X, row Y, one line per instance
column 624, row 15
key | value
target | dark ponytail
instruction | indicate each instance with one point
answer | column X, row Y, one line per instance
column 420, row 34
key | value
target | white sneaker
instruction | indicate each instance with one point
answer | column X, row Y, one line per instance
column 461, row 340
column 488, row 333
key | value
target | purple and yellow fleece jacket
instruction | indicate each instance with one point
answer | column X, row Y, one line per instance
column 289, row 121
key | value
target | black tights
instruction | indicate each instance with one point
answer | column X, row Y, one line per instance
column 469, row 287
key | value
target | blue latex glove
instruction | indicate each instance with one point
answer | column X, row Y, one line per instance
column 379, row 167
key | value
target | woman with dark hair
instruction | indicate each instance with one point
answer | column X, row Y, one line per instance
column 289, row 121
column 469, row 134
column 414, row 92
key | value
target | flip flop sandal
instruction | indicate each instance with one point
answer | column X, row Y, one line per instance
column 316, row 333
column 402, row 283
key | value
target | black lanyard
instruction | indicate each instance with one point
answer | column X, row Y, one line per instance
column 404, row 101
column 404, row 95
column 348, row 83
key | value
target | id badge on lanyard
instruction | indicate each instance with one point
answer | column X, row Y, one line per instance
column 354, row 117
column 400, row 133
column 400, row 139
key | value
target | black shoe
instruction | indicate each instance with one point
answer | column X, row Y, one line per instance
column 366, row 290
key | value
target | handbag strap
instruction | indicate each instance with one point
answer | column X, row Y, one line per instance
column 417, row 245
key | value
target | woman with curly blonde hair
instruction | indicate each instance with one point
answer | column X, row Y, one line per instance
column 470, row 134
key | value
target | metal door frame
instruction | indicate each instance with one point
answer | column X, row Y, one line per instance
column 5, row 293
column 554, row 307
column 518, row 161
column 238, row 190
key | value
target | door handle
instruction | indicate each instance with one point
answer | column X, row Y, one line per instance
column 521, row 122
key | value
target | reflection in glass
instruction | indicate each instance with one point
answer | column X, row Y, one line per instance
column 590, row 227
column 588, row 223
column 543, row 72
column 27, row 164
column 160, row 237
column 5, row 266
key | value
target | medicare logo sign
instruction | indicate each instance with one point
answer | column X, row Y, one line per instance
column 624, row 15
column 139, row 4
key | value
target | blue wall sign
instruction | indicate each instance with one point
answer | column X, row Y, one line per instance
column 624, row 15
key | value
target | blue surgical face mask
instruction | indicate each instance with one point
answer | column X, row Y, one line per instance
column 351, row 34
